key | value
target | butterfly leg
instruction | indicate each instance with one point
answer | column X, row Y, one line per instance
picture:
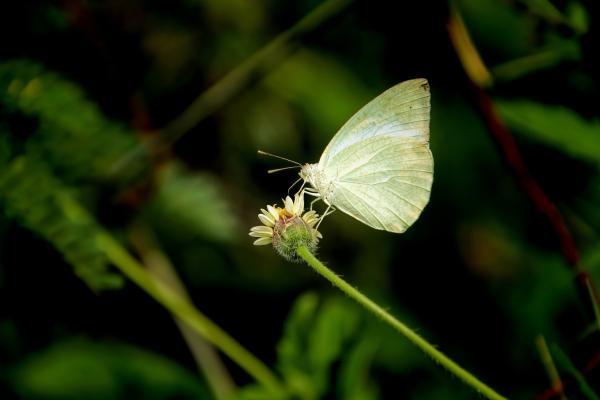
column 326, row 213
column 313, row 202
column 312, row 192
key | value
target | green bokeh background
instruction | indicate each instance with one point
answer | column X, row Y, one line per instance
column 88, row 93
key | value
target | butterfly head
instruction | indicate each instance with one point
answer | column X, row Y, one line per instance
column 317, row 178
column 307, row 171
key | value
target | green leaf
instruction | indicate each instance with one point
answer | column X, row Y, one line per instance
column 30, row 193
column 498, row 28
column 555, row 126
column 354, row 381
column 315, row 337
column 335, row 324
column 578, row 17
column 544, row 8
column 73, row 135
column 257, row 392
column 559, row 51
column 192, row 205
column 291, row 349
column 80, row 369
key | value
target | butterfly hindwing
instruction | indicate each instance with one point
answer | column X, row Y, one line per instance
column 384, row 181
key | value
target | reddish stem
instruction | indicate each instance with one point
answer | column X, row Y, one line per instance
column 513, row 158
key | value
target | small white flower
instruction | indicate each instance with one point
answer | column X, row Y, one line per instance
column 276, row 219
column 264, row 232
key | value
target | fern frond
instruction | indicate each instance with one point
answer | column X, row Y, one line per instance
column 31, row 194
column 73, row 135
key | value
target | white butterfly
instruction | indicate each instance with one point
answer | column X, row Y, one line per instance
column 378, row 167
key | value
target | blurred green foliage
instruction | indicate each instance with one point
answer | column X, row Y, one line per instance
column 82, row 369
column 554, row 126
column 30, row 193
column 83, row 97
column 80, row 143
column 201, row 212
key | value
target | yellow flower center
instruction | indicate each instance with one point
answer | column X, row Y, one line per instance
column 283, row 213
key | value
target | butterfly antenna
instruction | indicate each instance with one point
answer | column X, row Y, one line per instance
column 264, row 153
column 271, row 171
column 294, row 184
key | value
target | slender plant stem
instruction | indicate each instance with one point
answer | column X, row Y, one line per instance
column 411, row 335
column 217, row 95
column 273, row 52
column 565, row 362
column 161, row 268
column 186, row 312
column 551, row 370
column 594, row 301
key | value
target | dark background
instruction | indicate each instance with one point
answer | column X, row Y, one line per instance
column 89, row 91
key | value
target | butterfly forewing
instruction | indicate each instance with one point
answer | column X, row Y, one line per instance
column 402, row 111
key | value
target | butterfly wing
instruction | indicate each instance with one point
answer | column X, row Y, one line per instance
column 401, row 111
column 384, row 181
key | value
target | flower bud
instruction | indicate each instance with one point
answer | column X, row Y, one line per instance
column 291, row 233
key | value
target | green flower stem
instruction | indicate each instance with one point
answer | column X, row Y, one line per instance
column 411, row 335
column 187, row 313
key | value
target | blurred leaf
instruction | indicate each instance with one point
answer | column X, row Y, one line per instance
column 498, row 29
column 555, row 126
column 257, row 392
column 30, row 193
column 591, row 258
column 551, row 55
column 315, row 336
column 73, row 135
column 578, row 17
column 336, row 322
column 82, row 369
column 191, row 204
column 291, row 349
column 341, row 96
column 544, row 8
column 354, row 382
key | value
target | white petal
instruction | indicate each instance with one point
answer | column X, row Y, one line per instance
column 318, row 234
column 289, row 205
column 273, row 212
column 261, row 228
column 268, row 221
column 262, row 241
column 311, row 218
column 310, row 213
column 261, row 234
column 299, row 203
